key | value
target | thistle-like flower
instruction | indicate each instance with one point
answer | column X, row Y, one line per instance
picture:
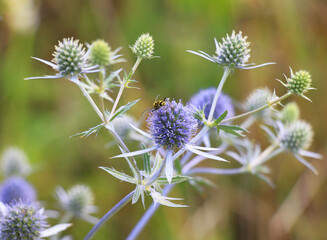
column 295, row 137
column 15, row 189
column 232, row 52
column 102, row 55
column 144, row 46
column 14, row 163
column 78, row 201
column 299, row 83
column 25, row 221
column 171, row 127
column 70, row 60
column 203, row 101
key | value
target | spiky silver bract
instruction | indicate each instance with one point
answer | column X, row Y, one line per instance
column 15, row 189
column 297, row 136
column 22, row 221
column 144, row 46
column 232, row 52
column 14, row 163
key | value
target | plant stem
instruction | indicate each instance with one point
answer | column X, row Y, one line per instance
column 263, row 155
column 88, row 97
column 109, row 214
column 220, row 87
column 216, row 171
column 121, row 89
column 269, row 104
column 147, row 215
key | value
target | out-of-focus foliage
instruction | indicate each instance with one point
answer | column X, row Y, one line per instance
column 40, row 116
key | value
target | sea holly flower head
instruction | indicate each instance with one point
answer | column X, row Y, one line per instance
column 294, row 137
column 22, row 221
column 172, row 125
column 15, row 189
column 102, row 55
column 203, row 101
column 14, row 163
column 233, row 52
column 78, row 201
column 144, row 46
column 256, row 99
column 299, row 83
column 70, row 60
column 298, row 135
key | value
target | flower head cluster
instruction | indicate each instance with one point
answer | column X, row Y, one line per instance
column 70, row 60
column 78, row 201
column 204, row 98
column 69, row 57
column 299, row 83
column 15, row 189
column 14, row 163
column 22, row 221
column 172, row 125
column 233, row 51
column 297, row 136
column 144, row 46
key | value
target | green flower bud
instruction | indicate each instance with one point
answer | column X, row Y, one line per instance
column 100, row 53
column 290, row 113
column 297, row 135
column 144, row 46
column 69, row 56
column 299, row 82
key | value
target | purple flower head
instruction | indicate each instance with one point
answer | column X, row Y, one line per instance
column 172, row 125
column 22, row 221
column 205, row 97
column 15, row 189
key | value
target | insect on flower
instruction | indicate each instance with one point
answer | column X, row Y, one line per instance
column 157, row 104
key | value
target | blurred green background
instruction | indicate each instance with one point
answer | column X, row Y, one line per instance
column 40, row 115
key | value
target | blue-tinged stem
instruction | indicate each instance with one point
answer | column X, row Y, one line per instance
column 148, row 215
column 220, row 87
column 109, row 214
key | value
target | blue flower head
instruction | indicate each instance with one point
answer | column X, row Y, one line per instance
column 15, row 189
column 22, row 221
column 204, row 98
column 172, row 125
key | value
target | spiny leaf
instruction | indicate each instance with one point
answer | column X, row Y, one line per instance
column 221, row 117
column 89, row 132
column 176, row 179
column 122, row 176
column 232, row 129
column 123, row 109
column 146, row 162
